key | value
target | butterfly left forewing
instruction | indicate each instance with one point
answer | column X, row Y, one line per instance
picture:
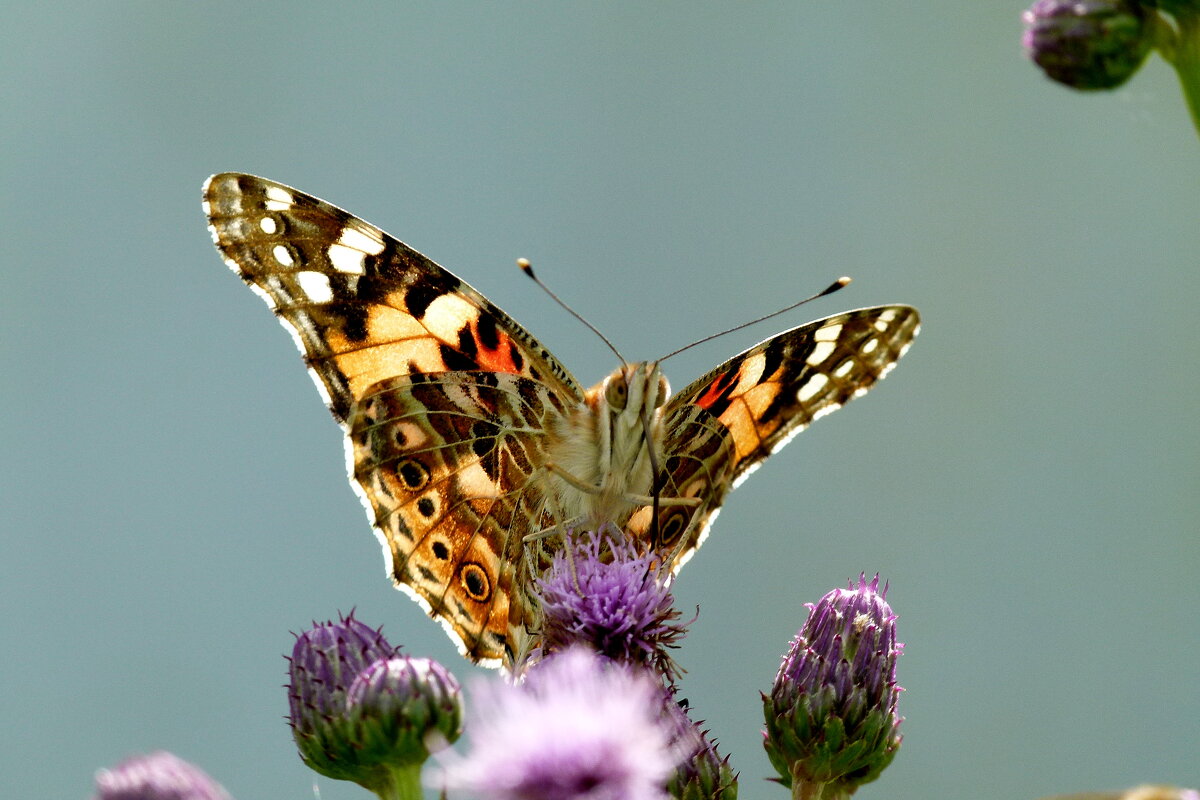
column 725, row 424
column 362, row 305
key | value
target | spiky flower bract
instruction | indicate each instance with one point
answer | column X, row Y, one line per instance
column 831, row 722
column 702, row 773
column 602, row 592
column 157, row 776
column 580, row 727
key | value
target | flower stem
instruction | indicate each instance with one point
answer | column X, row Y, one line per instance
column 1180, row 48
column 815, row 790
column 405, row 783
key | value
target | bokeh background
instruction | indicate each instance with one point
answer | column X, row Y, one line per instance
column 173, row 492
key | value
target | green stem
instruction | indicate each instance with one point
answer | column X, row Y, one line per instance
column 405, row 783
column 806, row 790
column 1180, row 48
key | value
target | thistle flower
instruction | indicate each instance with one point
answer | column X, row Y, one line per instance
column 579, row 727
column 607, row 595
column 1088, row 44
column 157, row 776
column 831, row 715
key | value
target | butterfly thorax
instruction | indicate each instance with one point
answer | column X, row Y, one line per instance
column 602, row 455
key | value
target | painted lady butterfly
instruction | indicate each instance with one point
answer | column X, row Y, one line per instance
column 467, row 439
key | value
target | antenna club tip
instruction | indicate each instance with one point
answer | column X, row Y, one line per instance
column 525, row 266
column 840, row 283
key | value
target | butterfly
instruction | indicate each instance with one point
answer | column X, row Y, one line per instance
column 469, row 443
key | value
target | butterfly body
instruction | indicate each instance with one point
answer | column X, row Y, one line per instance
column 469, row 443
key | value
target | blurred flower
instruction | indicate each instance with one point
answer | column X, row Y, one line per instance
column 1088, row 44
column 607, row 595
column 1147, row 792
column 579, row 728
column 157, row 776
column 831, row 715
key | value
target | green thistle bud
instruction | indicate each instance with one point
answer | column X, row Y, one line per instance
column 831, row 715
column 405, row 709
column 360, row 712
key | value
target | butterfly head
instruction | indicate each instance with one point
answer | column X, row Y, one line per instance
column 636, row 388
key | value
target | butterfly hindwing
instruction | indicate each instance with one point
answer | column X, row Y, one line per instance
column 727, row 422
column 446, row 461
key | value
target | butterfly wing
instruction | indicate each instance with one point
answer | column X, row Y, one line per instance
column 725, row 424
column 388, row 336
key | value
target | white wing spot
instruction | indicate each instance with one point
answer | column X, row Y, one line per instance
column 368, row 241
column 268, row 225
column 829, row 333
column 346, row 259
column 811, row 388
column 882, row 324
column 282, row 255
column 820, row 352
column 869, row 346
column 446, row 315
column 348, row 254
column 843, row 369
column 316, row 286
column 278, row 199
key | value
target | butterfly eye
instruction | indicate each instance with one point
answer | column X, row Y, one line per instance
column 664, row 391
column 616, row 394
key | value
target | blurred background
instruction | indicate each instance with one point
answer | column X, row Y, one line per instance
column 173, row 492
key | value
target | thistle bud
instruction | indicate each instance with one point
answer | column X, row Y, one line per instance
column 701, row 774
column 405, row 708
column 1088, row 44
column 325, row 661
column 831, row 715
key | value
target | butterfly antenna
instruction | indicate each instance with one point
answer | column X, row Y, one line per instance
column 840, row 283
column 527, row 268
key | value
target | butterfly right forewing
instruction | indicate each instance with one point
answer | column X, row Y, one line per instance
column 725, row 424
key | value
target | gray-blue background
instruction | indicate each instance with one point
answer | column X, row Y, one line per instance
column 174, row 498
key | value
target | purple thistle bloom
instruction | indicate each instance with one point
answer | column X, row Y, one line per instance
column 607, row 595
column 157, row 776
column 580, row 728
column 1088, row 44
column 831, row 715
